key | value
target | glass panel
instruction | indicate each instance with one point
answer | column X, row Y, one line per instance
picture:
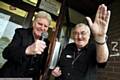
column 10, row 19
column 62, row 36
column 71, row 37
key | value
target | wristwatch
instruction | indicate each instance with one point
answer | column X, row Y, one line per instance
column 101, row 43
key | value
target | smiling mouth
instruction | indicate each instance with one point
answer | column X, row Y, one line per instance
column 39, row 31
column 80, row 40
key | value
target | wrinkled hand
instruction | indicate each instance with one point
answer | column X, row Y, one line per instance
column 100, row 25
column 36, row 48
column 56, row 72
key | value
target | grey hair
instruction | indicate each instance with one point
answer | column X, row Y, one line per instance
column 43, row 14
column 82, row 24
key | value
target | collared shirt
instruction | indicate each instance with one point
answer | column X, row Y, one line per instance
column 81, row 67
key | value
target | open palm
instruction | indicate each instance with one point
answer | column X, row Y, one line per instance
column 100, row 25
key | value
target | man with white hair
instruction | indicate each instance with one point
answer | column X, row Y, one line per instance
column 80, row 60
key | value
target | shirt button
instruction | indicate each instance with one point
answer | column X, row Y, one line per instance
column 68, row 74
column 31, row 69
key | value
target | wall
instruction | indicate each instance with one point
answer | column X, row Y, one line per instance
column 112, row 70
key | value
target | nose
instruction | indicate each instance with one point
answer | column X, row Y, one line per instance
column 42, row 27
column 79, row 36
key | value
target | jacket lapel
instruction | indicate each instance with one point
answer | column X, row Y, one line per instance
column 30, row 37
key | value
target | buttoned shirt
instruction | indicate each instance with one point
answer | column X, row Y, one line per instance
column 79, row 65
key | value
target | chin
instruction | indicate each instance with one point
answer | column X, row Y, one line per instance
column 81, row 45
column 39, row 33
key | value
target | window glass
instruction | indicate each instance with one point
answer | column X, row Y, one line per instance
column 10, row 19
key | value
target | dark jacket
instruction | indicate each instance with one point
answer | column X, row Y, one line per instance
column 18, row 64
column 79, row 65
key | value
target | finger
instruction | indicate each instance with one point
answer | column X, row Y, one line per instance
column 39, row 53
column 41, row 49
column 101, row 12
column 98, row 12
column 57, row 69
column 108, row 16
column 42, row 44
column 60, row 72
column 38, row 50
column 56, row 72
column 89, row 21
column 104, row 12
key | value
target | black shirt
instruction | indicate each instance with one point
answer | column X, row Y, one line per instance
column 81, row 67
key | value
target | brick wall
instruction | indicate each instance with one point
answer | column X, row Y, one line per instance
column 112, row 70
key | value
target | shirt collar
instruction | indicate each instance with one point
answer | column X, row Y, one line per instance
column 74, row 47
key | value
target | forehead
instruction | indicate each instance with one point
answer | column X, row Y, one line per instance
column 43, row 20
column 80, row 29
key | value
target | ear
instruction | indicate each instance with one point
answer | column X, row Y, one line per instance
column 89, row 36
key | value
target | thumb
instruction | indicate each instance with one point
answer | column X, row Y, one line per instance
column 89, row 21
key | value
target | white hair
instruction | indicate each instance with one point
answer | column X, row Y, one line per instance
column 81, row 25
column 43, row 14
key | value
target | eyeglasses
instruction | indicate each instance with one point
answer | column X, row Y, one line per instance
column 81, row 33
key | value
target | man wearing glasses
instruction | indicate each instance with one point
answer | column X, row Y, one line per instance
column 80, row 60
